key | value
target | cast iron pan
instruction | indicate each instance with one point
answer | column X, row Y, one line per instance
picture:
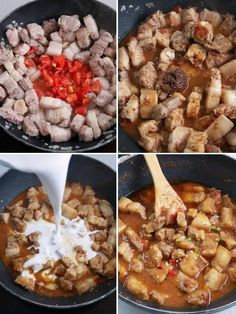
column 86, row 171
column 215, row 171
column 131, row 14
column 38, row 11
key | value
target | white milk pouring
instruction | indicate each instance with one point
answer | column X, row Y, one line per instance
column 50, row 169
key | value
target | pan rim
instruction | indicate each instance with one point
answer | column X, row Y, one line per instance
column 73, row 305
column 46, row 149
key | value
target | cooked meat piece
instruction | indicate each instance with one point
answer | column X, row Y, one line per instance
column 11, row 116
column 26, row 282
column 153, row 256
column 35, row 30
column 110, row 109
column 54, row 48
column 101, row 44
column 203, row 32
column 156, row 20
column 181, row 220
column 158, row 297
column 134, row 238
column 59, row 134
column 59, row 116
column 4, row 217
column 51, row 103
column 219, row 128
column 147, row 75
column 92, row 121
column 91, row 26
column 77, row 122
column 166, row 249
column 212, row 17
column 123, row 92
column 49, row 26
column 220, row 44
column 137, row 265
column 123, row 61
column 13, row 37
column 213, row 90
column 196, row 55
column 22, row 49
column 25, row 84
column 144, row 31
column 215, row 59
column 230, row 242
column 227, row 110
column 3, row 94
column 103, row 98
column 69, row 23
column 177, row 254
column 228, row 24
column 162, row 38
column 158, row 275
column 109, row 67
column 194, row 102
column 166, row 57
column 83, row 38
column 162, row 110
column 96, row 67
column 30, row 127
column 192, row 264
column 179, row 42
column 148, row 101
column 228, row 96
column 85, row 134
column 20, row 107
column 137, row 287
column 196, row 142
column 231, row 137
column 33, row 74
column 154, row 225
column 55, row 36
column 135, row 52
column 105, row 121
column 125, row 251
column 199, row 297
column 24, row 35
column 228, row 69
column 185, row 283
column 189, row 15
column 127, row 206
column 147, row 127
column 6, row 54
column 174, row 119
column 71, row 51
column 32, row 101
column 174, row 80
column 96, row 264
column 178, row 139
column 130, row 110
column 151, row 142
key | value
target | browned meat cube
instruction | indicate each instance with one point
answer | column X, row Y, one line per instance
column 153, row 256
column 125, row 251
column 26, row 282
column 186, row 283
column 147, row 75
column 110, row 268
column 137, row 287
column 192, row 264
column 199, row 297
column 96, row 264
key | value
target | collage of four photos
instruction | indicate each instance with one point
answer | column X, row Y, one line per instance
column 117, row 156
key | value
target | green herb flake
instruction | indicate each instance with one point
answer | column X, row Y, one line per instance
column 215, row 229
column 189, row 238
column 197, row 250
column 178, row 240
column 218, row 239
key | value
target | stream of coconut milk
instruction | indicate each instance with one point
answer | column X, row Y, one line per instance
column 55, row 240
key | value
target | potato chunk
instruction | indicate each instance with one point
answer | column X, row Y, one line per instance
column 137, row 287
column 68, row 211
column 192, row 264
column 134, row 238
column 215, row 280
column 127, row 206
column 121, row 226
column 210, row 244
column 222, row 258
column 201, row 221
column 208, row 205
column 125, row 251
column 232, row 273
column 159, row 275
column 227, row 218
column 4, row 217
column 186, row 283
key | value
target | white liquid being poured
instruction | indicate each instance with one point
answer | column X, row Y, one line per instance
column 50, row 169
column 54, row 243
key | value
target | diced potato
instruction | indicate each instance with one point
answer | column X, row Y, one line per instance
column 186, row 283
column 158, row 296
column 197, row 234
column 181, row 220
column 219, row 128
column 9, row 252
column 68, row 211
column 192, row 197
column 232, row 273
column 159, row 275
column 27, row 283
column 52, row 286
column 208, row 205
column 210, row 244
column 230, row 242
column 128, row 206
column 192, row 264
column 121, row 225
column 4, row 217
column 122, row 270
column 191, row 213
column 227, row 218
column 148, row 100
column 185, row 244
column 222, row 258
column 137, row 287
column 215, row 280
column 153, row 256
column 201, row 221
column 125, row 251
column 134, row 238
column 85, row 285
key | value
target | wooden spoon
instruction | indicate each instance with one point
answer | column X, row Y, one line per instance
column 167, row 202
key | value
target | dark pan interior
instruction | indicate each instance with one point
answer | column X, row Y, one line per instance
column 131, row 15
column 38, row 11
column 82, row 169
column 215, row 171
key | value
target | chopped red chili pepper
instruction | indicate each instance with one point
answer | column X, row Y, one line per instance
column 172, row 272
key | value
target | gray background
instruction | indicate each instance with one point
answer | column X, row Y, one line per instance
column 8, row 5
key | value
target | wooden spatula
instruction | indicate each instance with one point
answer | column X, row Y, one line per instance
column 167, row 201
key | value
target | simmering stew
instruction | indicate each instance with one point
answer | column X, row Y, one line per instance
column 190, row 262
column 177, row 78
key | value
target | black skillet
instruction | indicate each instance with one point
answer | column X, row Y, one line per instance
column 215, row 171
column 82, row 169
column 38, row 11
column 130, row 14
